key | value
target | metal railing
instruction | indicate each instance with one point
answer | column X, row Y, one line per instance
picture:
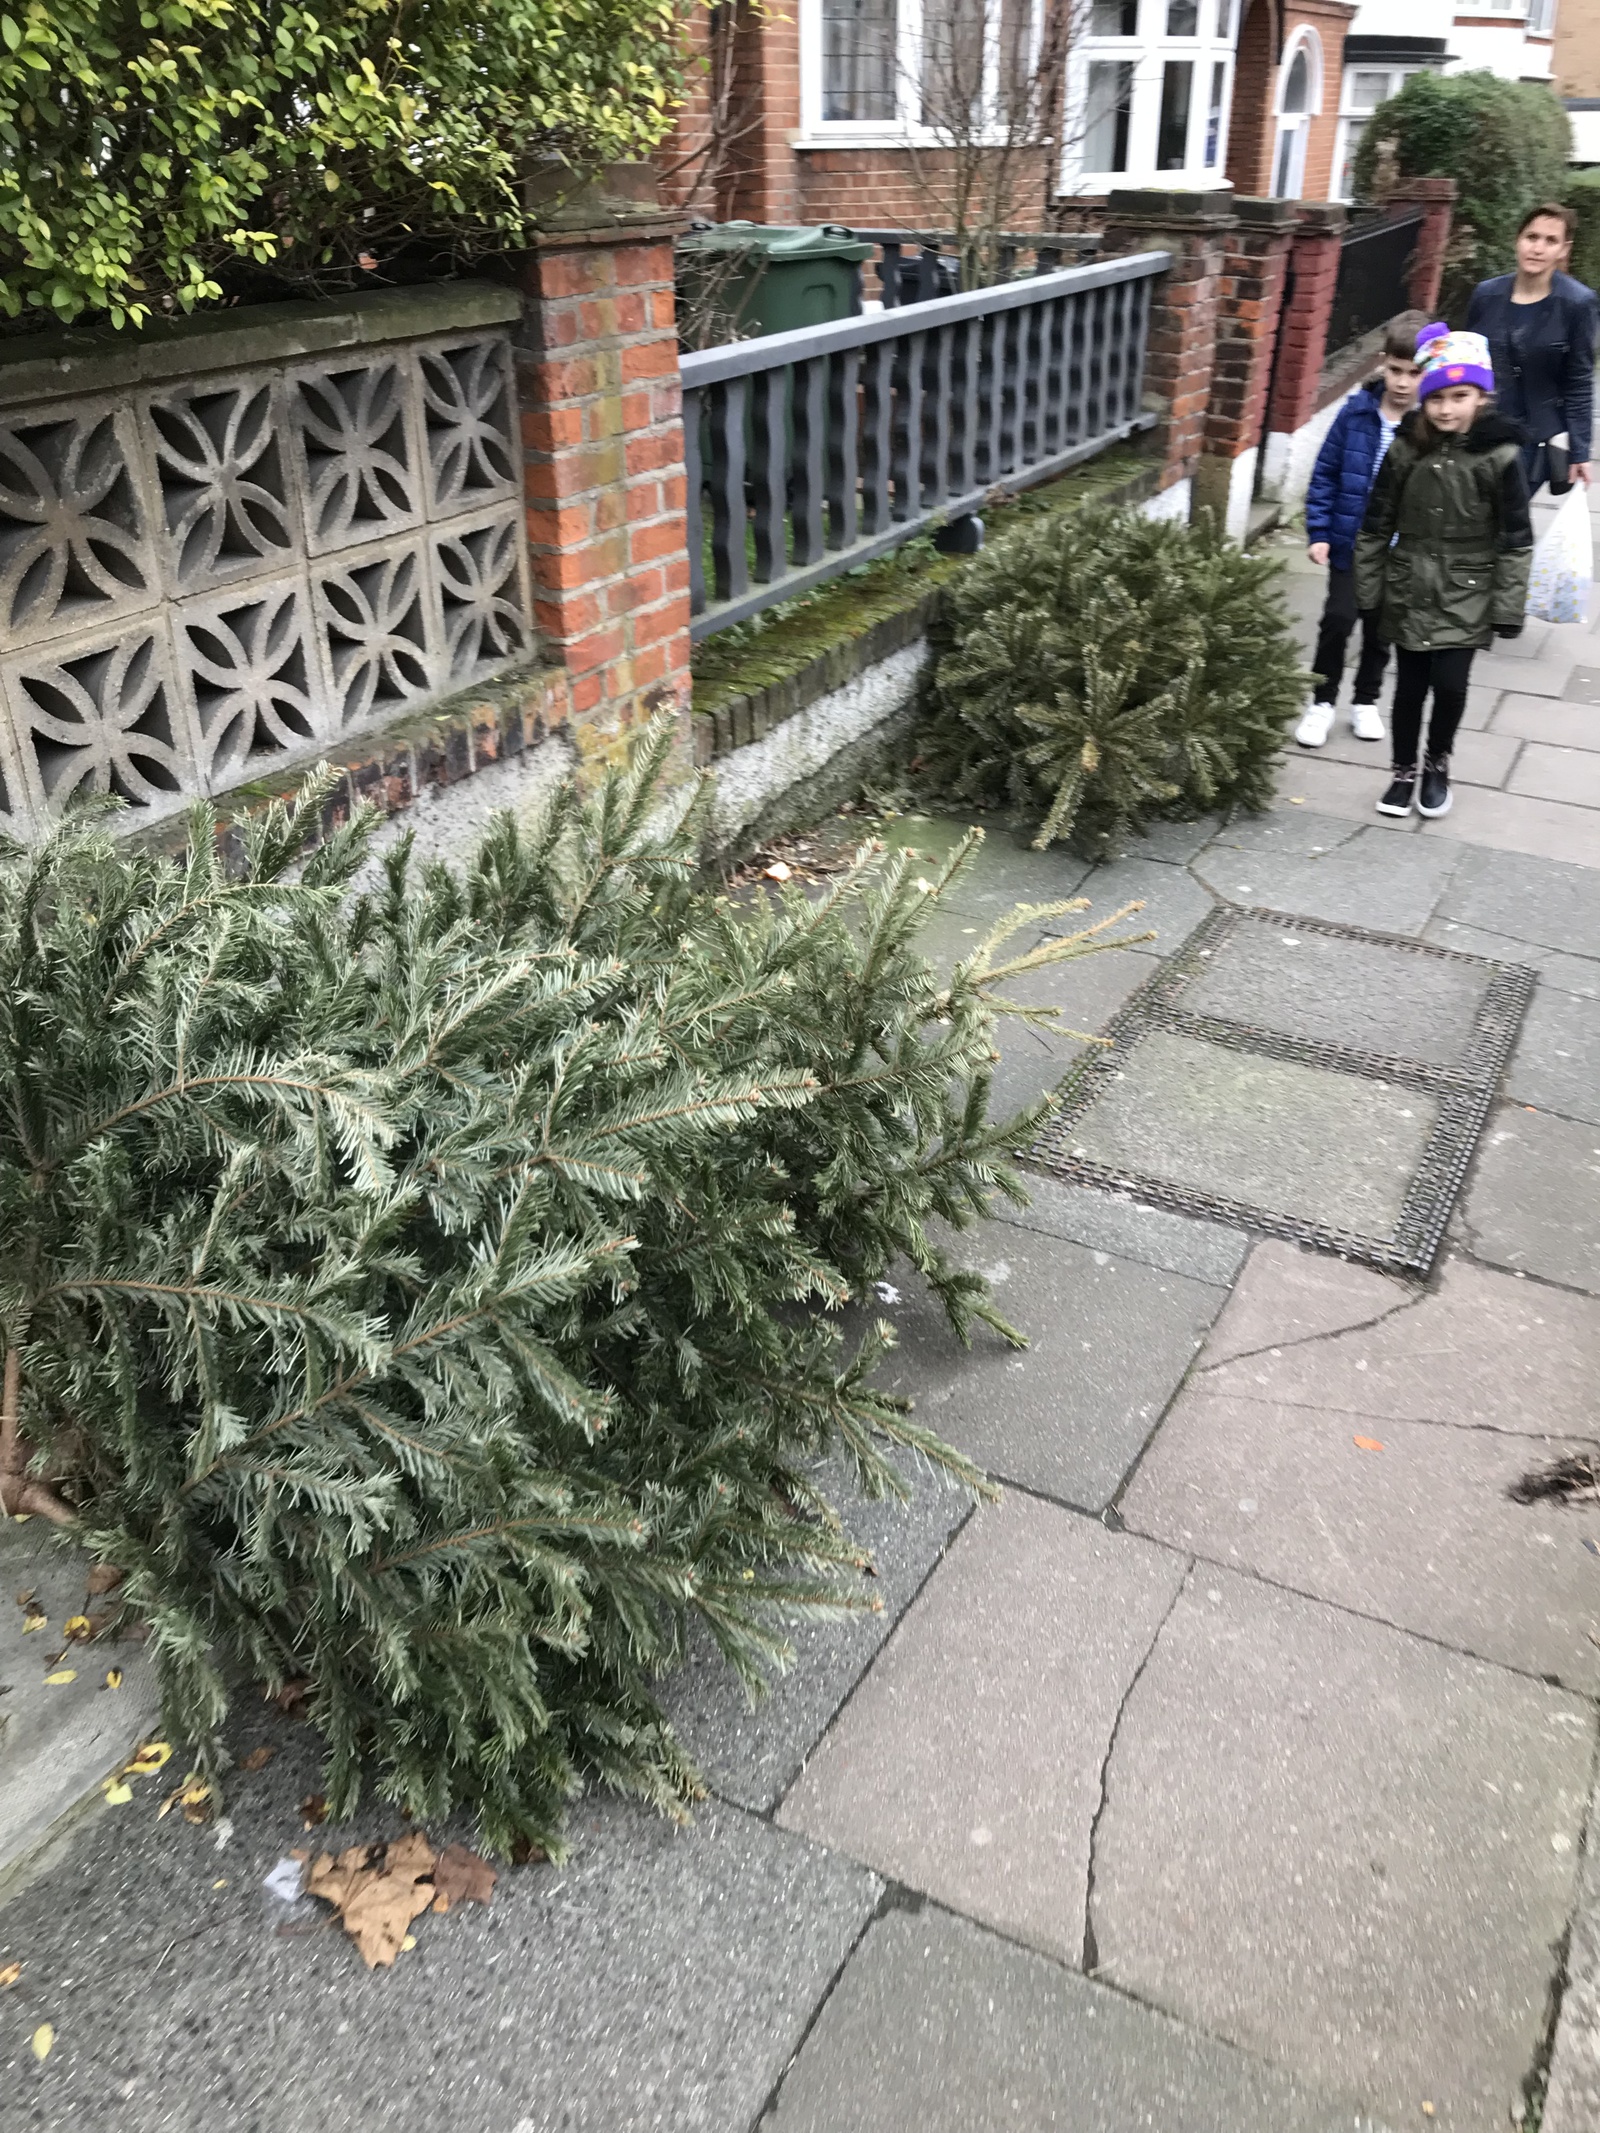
column 1374, row 263
column 915, row 265
column 811, row 452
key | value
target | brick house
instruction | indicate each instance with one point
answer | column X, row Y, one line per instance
column 820, row 106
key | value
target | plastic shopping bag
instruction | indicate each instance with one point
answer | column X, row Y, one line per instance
column 1563, row 565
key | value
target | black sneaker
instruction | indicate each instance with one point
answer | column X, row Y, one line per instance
column 1400, row 792
column 1434, row 798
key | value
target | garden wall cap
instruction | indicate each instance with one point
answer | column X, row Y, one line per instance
column 76, row 362
column 1146, row 204
column 1273, row 214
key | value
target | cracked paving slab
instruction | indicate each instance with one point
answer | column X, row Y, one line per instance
column 939, row 2027
column 968, row 1764
column 1343, row 1848
column 1404, row 1521
column 1482, row 1350
column 1546, row 902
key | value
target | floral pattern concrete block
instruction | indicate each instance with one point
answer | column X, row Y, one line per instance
column 206, row 582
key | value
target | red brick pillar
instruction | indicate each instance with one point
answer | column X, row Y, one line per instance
column 1255, row 267
column 1195, row 228
column 602, row 431
column 1314, row 266
column 1436, row 198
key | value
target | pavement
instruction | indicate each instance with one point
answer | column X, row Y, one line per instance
column 1232, row 1773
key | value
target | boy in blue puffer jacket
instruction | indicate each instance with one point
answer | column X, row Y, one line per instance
column 1347, row 466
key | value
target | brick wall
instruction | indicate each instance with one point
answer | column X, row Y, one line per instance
column 1304, row 343
column 1181, row 350
column 889, row 188
column 1436, row 198
column 602, row 431
column 764, row 177
column 1249, row 302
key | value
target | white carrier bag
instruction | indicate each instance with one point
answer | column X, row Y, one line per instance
column 1563, row 564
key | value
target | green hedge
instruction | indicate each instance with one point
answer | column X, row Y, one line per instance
column 148, row 150
column 1582, row 193
column 1504, row 142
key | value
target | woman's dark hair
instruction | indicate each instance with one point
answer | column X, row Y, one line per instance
column 1551, row 211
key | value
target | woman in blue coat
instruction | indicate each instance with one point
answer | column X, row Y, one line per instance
column 1540, row 325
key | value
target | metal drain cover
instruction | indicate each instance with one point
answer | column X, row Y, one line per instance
column 1291, row 1075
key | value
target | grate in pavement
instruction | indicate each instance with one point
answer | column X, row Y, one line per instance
column 1311, row 1080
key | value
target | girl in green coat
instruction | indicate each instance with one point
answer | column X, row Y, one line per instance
column 1444, row 552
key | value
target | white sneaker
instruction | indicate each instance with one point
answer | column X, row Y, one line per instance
column 1366, row 722
column 1315, row 726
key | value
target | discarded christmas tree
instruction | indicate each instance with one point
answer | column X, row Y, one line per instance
column 1095, row 669
column 422, row 1295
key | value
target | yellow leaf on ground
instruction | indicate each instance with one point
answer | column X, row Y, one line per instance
column 114, row 1677
column 117, row 1791
column 149, row 1757
column 43, row 2038
column 10, row 1974
column 33, row 1621
column 62, row 1674
column 77, row 1626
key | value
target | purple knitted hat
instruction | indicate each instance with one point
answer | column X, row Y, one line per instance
column 1452, row 359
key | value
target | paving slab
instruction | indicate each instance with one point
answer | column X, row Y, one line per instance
column 1336, row 788
column 1389, row 884
column 1556, row 1065
column 1004, row 871
column 59, row 1738
column 1566, row 973
column 1514, row 822
column 1547, row 675
column 1343, row 1848
column 1539, row 718
column 660, row 1979
column 1109, row 1341
column 1360, row 993
column 1292, row 831
column 967, row 1765
column 1306, row 1142
column 939, row 2027
column 1572, row 2100
column 1290, row 1295
column 1175, row 842
column 1478, row 758
column 1543, row 901
column 751, row 1753
column 1173, row 902
column 1483, row 1350
column 1408, row 1521
column 1534, row 1199
column 1118, row 1224
column 1085, row 992
column 1556, row 773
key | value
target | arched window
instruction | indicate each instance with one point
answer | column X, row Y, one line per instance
column 1299, row 101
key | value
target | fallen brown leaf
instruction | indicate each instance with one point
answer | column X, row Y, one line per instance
column 104, row 1577
column 524, row 1852
column 25, row 1599
column 257, row 1759
column 10, row 1974
column 461, row 1876
column 291, row 1698
column 1367, row 1444
column 377, row 1890
column 313, row 1809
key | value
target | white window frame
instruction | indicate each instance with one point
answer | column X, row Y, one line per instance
column 1399, row 72
column 1149, row 51
column 1305, row 40
column 906, row 129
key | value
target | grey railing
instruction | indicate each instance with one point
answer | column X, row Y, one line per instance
column 811, row 452
column 915, row 265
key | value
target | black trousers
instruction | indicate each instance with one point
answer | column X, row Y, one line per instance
column 1339, row 617
column 1446, row 673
